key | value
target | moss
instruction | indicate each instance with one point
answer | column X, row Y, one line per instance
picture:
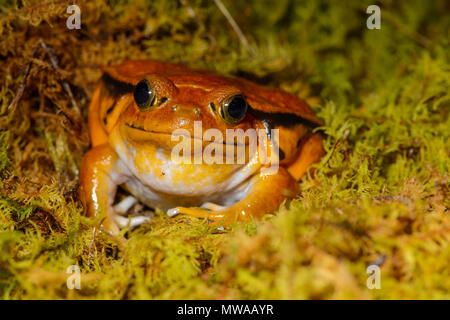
column 379, row 196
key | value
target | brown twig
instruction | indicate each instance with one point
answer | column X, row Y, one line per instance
column 94, row 232
column 66, row 85
column 235, row 27
column 77, row 120
column 22, row 85
column 200, row 23
column 417, row 37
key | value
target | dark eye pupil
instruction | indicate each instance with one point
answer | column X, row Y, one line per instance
column 141, row 93
column 237, row 107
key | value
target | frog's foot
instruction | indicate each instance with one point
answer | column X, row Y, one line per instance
column 131, row 222
column 213, row 216
column 126, row 204
column 122, row 208
column 262, row 199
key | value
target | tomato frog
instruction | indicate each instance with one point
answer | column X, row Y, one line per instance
column 133, row 114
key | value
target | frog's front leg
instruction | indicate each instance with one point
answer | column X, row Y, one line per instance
column 266, row 193
column 101, row 173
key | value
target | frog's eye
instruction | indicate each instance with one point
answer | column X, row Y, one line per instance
column 144, row 95
column 233, row 110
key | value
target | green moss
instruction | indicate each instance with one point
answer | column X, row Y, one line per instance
column 379, row 196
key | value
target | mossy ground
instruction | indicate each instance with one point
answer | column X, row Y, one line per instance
column 380, row 195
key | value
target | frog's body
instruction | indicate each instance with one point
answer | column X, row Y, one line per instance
column 131, row 143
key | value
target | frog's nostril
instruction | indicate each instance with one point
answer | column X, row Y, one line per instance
column 198, row 112
column 186, row 111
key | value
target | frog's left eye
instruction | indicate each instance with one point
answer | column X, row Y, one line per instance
column 234, row 109
column 144, row 95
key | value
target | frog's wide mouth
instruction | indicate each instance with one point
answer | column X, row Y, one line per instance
column 139, row 133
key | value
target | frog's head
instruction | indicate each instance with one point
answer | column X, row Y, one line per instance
column 161, row 100
column 171, row 104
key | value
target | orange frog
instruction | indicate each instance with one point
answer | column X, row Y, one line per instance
column 133, row 116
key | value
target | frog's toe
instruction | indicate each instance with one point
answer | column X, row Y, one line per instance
column 212, row 206
column 132, row 222
column 123, row 206
column 173, row 211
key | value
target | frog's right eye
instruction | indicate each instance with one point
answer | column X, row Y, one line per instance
column 144, row 95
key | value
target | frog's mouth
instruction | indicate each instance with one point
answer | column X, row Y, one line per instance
column 138, row 133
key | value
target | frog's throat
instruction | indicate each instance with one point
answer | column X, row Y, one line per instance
column 140, row 134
